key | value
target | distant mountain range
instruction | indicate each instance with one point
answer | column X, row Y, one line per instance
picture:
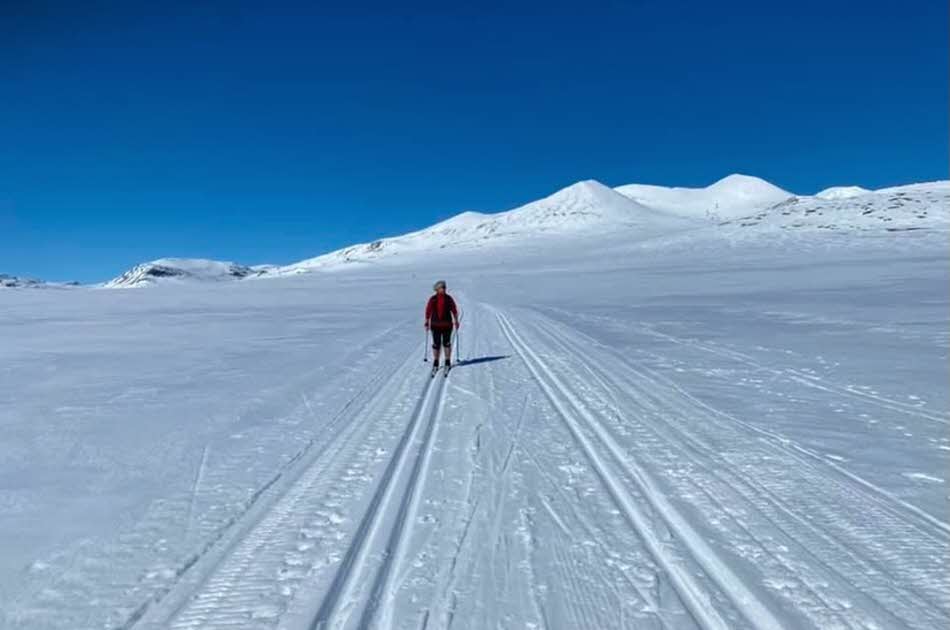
column 179, row 269
column 586, row 208
column 12, row 282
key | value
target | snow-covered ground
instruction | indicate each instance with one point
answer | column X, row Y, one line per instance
column 659, row 425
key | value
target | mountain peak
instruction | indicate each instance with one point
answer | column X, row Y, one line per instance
column 842, row 192
column 747, row 185
column 732, row 196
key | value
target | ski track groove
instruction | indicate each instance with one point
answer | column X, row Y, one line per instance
column 341, row 600
column 767, row 501
column 933, row 527
column 647, row 599
column 804, row 378
column 261, row 562
column 737, row 523
column 172, row 608
column 384, row 591
column 798, row 376
column 195, row 487
column 692, row 594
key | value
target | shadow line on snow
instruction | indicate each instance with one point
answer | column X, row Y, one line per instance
column 478, row 360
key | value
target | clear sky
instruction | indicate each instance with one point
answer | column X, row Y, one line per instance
column 274, row 131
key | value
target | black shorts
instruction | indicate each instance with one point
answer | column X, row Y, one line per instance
column 441, row 338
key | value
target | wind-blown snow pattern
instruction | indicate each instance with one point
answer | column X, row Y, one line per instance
column 652, row 422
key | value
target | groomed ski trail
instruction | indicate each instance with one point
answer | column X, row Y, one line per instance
column 692, row 592
column 361, row 592
column 257, row 570
column 831, row 548
column 551, row 483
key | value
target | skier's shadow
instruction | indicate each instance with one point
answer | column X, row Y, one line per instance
column 478, row 360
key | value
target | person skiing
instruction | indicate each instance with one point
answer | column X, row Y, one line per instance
column 441, row 315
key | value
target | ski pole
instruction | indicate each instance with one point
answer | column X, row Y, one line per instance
column 425, row 341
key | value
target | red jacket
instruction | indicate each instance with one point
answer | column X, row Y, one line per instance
column 440, row 311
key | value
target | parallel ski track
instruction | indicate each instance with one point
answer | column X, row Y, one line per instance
column 853, row 570
column 808, row 380
column 343, row 599
column 798, row 376
column 690, row 590
column 287, row 486
column 925, row 522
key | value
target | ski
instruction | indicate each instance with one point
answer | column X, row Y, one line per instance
column 435, row 370
column 446, row 370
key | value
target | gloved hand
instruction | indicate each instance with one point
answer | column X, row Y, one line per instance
column 426, row 325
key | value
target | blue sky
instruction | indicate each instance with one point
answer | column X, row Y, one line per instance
column 270, row 132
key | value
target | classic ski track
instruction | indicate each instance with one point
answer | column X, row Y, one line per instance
column 383, row 594
column 690, row 591
column 660, row 615
column 826, row 542
column 800, row 377
column 808, row 380
column 341, row 602
column 161, row 610
column 922, row 520
column 756, row 493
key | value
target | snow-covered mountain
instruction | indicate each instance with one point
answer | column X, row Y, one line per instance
column 180, row 269
column 902, row 208
column 587, row 207
column 842, row 192
column 8, row 281
column 728, row 198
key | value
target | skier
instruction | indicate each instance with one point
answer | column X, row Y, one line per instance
column 441, row 314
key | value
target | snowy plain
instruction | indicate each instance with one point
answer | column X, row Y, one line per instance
column 655, row 424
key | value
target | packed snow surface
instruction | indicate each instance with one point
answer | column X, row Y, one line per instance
column 731, row 426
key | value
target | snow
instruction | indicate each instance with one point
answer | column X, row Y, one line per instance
column 165, row 270
column 586, row 207
column 916, row 207
column 657, row 422
column 730, row 197
column 842, row 192
column 8, row 281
